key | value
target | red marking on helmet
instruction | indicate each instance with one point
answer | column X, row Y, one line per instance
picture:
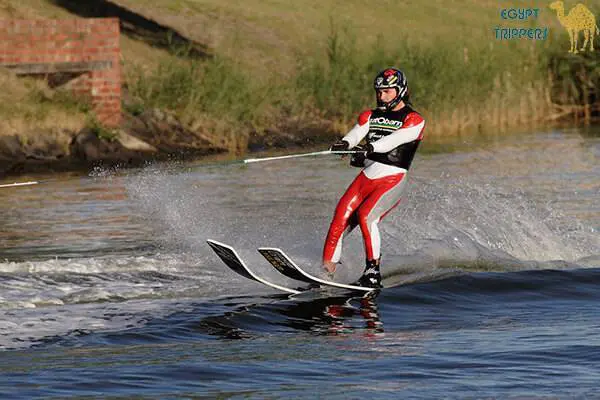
column 363, row 118
column 389, row 72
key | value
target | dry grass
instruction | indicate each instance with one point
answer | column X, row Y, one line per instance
column 28, row 107
column 271, row 35
column 23, row 9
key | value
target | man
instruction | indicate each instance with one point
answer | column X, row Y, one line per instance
column 393, row 132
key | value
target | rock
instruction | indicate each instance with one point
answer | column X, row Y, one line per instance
column 10, row 148
column 158, row 114
column 171, row 120
column 87, row 146
column 46, row 145
column 167, row 135
column 124, row 148
column 132, row 143
column 294, row 132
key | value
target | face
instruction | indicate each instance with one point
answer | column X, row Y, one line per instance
column 385, row 95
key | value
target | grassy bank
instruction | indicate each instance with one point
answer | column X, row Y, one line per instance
column 28, row 108
column 460, row 89
column 283, row 66
column 310, row 60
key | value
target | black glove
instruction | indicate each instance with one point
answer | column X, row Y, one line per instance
column 358, row 159
column 340, row 145
column 368, row 149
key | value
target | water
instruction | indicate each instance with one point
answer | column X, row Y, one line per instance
column 107, row 288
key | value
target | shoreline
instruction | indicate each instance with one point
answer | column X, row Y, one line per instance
column 148, row 138
column 113, row 154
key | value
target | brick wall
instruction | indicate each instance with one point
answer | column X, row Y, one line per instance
column 89, row 47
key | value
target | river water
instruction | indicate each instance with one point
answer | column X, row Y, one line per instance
column 492, row 262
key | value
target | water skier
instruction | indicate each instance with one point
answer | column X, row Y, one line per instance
column 392, row 131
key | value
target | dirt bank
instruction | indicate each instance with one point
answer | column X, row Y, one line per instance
column 153, row 135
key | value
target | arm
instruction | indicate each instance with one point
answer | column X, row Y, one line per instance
column 412, row 130
column 359, row 131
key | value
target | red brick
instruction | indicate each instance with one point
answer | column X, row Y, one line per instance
column 100, row 102
column 110, row 114
column 100, row 110
column 72, row 35
column 102, row 113
column 73, row 46
column 66, row 25
column 103, row 43
column 15, row 27
column 112, row 122
column 99, row 28
column 70, row 40
column 61, row 52
column 82, row 26
column 59, row 37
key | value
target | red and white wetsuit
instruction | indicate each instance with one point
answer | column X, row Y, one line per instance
column 395, row 136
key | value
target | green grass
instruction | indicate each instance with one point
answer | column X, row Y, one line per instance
column 440, row 78
column 335, row 82
column 578, row 76
column 319, row 58
column 215, row 87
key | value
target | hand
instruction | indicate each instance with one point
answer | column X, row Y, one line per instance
column 358, row 158
column 329, row 267
column 369, row 149
column 340, row 145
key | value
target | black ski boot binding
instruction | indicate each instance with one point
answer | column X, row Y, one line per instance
column 371, row 277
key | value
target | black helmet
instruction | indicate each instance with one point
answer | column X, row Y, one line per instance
column 391, row 78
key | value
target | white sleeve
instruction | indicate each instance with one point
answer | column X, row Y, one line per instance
column 356, row 134
column 398, row 137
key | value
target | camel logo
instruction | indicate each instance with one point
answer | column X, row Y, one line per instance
column 580, row 18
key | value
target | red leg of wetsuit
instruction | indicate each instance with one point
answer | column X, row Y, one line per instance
column 384, row 196
column 365, row 198
column 341, row 218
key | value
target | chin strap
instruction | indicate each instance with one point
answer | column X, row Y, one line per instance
column 391, row 104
